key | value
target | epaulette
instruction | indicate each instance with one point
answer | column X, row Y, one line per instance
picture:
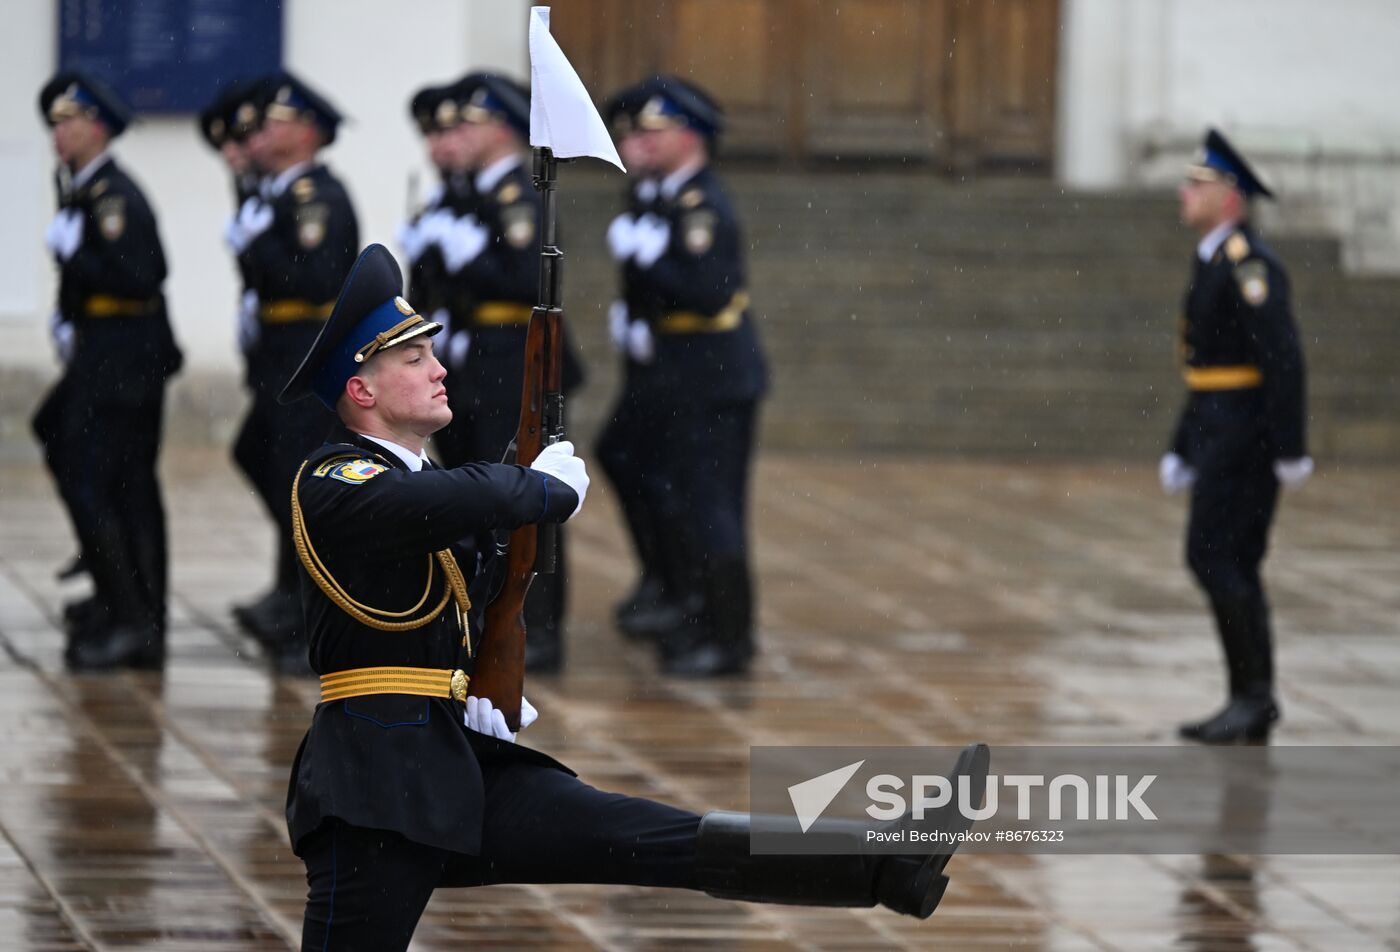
column 692, row 197
column 98, row 187
column 1237, row 247
column 508, row 193
column 303, row 189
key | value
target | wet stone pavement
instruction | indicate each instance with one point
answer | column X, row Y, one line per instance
column 903, row 601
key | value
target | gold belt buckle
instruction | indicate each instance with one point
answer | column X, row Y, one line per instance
column 458, row 685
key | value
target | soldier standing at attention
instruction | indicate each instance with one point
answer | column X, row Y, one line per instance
column 685, row 277
column 1242, row 434
column 405, row 781
column 630, row 445
column 101, row 424
column 295, row 243
column 491, row 257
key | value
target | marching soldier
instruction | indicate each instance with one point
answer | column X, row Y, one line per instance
column 684, row 277
column 405, row 781
column 226, row 124
column 295, row 242
column 1242, row 433
column 435, row 112
column 101, row 424
column 490, row 254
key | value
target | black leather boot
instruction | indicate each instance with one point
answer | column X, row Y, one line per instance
column 720, row 641
column 1251, row 712
column 908, row 884
column 120, row 646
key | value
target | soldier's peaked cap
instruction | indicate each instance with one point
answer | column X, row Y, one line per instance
column 486, row 96
column 284, row 96
column 1219, row 161
column 671, row 101
column 231, row 114
column 76, row 93
column 370, row 316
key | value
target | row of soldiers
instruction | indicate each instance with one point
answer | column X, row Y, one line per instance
column 677, row 448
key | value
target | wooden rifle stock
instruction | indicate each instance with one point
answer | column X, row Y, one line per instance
column 500, row 662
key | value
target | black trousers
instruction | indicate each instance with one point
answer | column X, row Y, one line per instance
column 368, row 888
column 102, row 448
column 629, row 449
column 1233, row 502
column 707, row 462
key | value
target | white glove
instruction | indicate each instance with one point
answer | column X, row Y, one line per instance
column 622, row 237
column 651, row 236
column 458, row 347
column 617, row 325
column 639, row 342
column 463, row 242
column 62, row 334
column 434, row 226
column 1174, row 474
column 483, row 718
column 411, row 240
column 558, row 460
column 1293, row 473
column 254, row 217
column 65, row 233
column 248, row 327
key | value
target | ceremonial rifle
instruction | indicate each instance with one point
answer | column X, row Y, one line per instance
column 500, row 662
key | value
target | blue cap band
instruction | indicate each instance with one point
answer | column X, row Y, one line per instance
column 341, row 365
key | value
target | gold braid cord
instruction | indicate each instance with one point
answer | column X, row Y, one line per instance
column 455, row 587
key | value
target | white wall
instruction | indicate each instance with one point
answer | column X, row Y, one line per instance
column 366, row 56
column 1288, row 75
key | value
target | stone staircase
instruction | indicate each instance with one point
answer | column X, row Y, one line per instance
column 1007, row 317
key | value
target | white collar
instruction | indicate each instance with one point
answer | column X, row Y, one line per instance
column 276, row 186
column 672, row 183
column 81, row 177
column 414, row 463
column 487, row 178
column 1211, row 243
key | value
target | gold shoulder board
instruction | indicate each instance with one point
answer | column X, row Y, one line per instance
column 1237, row 247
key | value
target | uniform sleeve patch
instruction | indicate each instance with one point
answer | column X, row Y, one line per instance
column 1253, row 279
column 352, row 471
column 518, row 224
column 311, row 224
column 111, row 216
column 698, row 230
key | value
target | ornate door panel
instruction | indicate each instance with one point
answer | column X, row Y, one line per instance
column 962, row 81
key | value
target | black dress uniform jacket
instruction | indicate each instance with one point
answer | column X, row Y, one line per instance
column 396, row 762
column 110, row 290
column 299, row 262
column 505, row 274
column 700, row 273
column 430, row 287
column 1237, row 314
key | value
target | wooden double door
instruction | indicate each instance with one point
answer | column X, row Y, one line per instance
column 964, row 82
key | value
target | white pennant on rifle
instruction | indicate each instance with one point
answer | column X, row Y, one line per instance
column 562, row 116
